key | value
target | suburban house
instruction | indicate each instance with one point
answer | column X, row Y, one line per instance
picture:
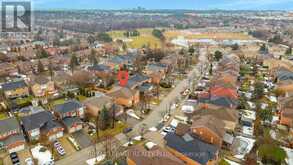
column 125, row 96
column 29, row 110
column 42, row 86
column 94, row 105
column 224, row 102
column 156, row 72
column 283, row 74
column 104, row 74
column 170, row 61
column 42, row 124
column 286, row 111
column 7, row 68
column 15, row 89
column 137, row 80
column 223, row 92
column 63, row 82
column 70, row 114
column 117, row 62
column 189, row 106
column 188, row 148
column 209, row 129
column 224, row 80
column 140, row 155
column 11, row 136
column 230, row 117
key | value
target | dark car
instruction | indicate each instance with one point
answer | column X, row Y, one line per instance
column 127, row 130
column 14, row 158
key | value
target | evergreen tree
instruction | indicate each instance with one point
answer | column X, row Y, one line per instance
column 93, row 60
column 50, row 68
column 103, row 118
column 218, row 55
column 73, row 62
column 41, row 68
column 289, row 51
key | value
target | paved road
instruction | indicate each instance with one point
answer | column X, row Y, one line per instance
column 79, row 158
column 153, row 119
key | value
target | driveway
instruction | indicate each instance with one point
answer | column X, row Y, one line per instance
column 82, row 139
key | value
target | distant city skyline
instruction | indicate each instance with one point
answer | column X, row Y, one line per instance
column 166, row 4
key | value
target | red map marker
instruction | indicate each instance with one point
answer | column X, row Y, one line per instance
column 123, row 77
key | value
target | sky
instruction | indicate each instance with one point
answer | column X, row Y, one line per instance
column 166, row 4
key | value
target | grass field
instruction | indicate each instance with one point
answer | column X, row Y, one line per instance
column 145, row 38
column 3, row 116
column 210, row 35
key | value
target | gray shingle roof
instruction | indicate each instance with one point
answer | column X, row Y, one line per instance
column 9, row 124
column 69, row 121
column 68, row 106
column 195, row 149
column 12, row 139
column 284, row 75
column 136, row 80
column 36, row 120
column 101, row 68
column 13, row 85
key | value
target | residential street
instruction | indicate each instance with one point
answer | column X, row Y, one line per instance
column 79, row 158
column 152, row 119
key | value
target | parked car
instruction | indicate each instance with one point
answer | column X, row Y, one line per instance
column 59, row 148
column 29, row 161
column 127, row 130
column 14, row 158
column 169, row 129
column 74, row 143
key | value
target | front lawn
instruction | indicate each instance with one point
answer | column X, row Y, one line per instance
column 24, row 101
column 3, row 115
column 59, row 101
column 272, row 153
column 81, row 97
column 119, row 127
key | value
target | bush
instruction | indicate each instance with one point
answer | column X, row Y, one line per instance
column 165, row 85
column 272, row 154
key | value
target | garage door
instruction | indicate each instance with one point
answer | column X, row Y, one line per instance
column 79, row 127
column 16, row 149
column 52, row 138
column 59, row 135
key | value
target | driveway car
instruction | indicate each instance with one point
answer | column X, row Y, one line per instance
column 14, row 158
column 59, row 148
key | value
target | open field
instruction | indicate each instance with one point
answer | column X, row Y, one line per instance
column 145, row 39
column 274, row 63
column 207, row 35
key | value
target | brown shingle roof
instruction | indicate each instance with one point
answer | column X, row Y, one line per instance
column 215, row 125
column 222, row 114
column 122, row 92
column 182, row 129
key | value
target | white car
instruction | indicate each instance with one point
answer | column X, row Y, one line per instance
column 59, row 148
column 29, row 161
column 166, row 117
column 131, row 113
column 169, row 129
